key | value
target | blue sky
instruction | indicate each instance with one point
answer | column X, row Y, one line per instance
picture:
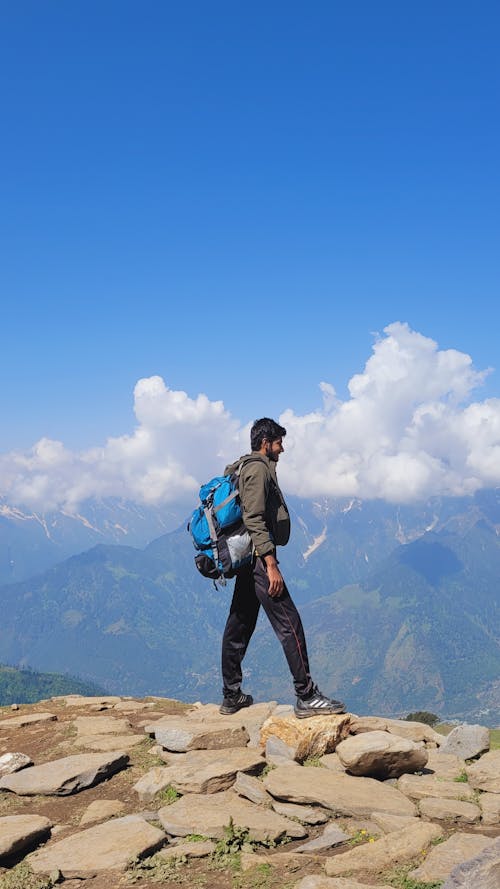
column 236, row 197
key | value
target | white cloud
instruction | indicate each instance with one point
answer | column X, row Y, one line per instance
column 409, row 429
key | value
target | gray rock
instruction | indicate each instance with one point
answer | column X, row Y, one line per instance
column 467, row 741
column 252, row 789
column 106, row 847
column 331, row 761
column 481, row 872
column 64, row 776
column 21, row 832
column 208, row 815
column 201, row 771
column 442, row 859
column 380, row 755
column 275, row 747
column 100, row 725
column 338, row 793
column 331, row 836
column 13, row 762
column 305, row 814
column 180, row 734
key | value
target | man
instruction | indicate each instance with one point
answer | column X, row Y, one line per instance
column 267, row 520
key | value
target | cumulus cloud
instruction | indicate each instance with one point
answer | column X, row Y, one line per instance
column 408, row 430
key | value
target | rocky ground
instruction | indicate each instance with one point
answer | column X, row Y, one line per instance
column 115, row 792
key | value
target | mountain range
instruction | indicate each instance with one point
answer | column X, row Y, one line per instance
column 400, row 606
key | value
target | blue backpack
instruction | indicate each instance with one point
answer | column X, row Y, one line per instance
column 216, row 527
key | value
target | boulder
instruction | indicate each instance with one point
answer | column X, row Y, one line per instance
column 276, row 751
column 208, row 815
column 308, row 737
column 21, row 832
column 467, row 741
column 64, row 776
column 485, row 773
column 331, row 761
column 106, row 847
column 443, row 858
column 380, row 755
column 393, row 849
column 13, row 762
column 338, row 793
column 480, row 872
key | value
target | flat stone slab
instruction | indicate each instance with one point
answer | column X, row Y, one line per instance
column 101, row 810
column 338, row 793
column 442, row 859
column 19, row 832
column 100, row 725
column 200, row 771
column 381, row 755
column 423, row 786
column 27, row 719
column 485, row 773
column 305, row 814
column 13, row 762
column 393, row 849
column 88, row 701
column 390, row 823
column 331, row 836
column 467, row 741
column 490, row 805
column 106, row 847
column 179, row 734
column 188, row 850
column 208, row 815
column 481, row 872
column 252, row 789
column 308, row 737
column 444, row 765
column 449, row 810
column 64, row 776
column 105, row 743
column 415, row 731
column 320, row 882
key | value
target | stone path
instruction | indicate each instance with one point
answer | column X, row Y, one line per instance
column 327, row 785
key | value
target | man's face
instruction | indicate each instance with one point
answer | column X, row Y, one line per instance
column 274, row 449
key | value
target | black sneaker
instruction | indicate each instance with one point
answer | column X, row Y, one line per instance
column 317, row 705
column 232, row 703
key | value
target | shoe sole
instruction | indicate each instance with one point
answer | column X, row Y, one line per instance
column 230, row 711
column 307, row 714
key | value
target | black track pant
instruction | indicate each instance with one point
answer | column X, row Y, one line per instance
column 250, row 592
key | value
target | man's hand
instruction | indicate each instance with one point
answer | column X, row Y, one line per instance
column 276, row 582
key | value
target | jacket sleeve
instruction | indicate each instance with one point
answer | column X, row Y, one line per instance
column 254, row 486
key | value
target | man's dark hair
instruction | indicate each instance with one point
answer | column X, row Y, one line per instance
column 265, row 429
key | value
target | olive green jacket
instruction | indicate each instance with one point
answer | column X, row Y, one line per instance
column 265, row 513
